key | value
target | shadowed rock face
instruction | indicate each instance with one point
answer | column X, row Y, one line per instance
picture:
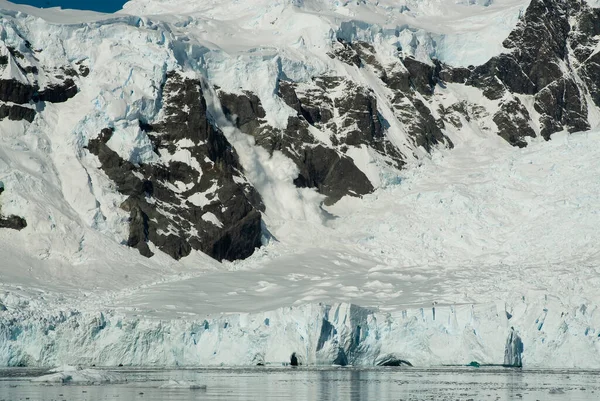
column 410, row 81
column 180, row 207
column 13, row 222
column 16, row 113
column 513, row 121
column 14, row 91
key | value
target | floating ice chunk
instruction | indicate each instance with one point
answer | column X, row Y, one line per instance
column 77, row 375
column 184, row 385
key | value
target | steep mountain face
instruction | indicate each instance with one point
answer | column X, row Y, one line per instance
column 551, row 57
column 202, row 144
column 203, row 204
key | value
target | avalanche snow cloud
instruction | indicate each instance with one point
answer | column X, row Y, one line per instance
column 367, row 183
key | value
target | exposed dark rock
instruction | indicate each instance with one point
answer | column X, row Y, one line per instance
column 590, row 73
column 15, row 53
column 493, row 75
column 226, row 224
column 330, row 171
column 584, row 34
column 333, row 174
column 84, row 71
column 316, row 107
column 561, row 105
column 513, row 122
column 30, row 69
column 57, row 93
column 294, row 360
column 361, row 117
column 539, row 54
column 19, row 93
column 458, row 75
column 244, row 110
column 398, row 79
column 540, row 41
column 13, row 222
column 16, row 113
column 345, row 52
column 422, row 77
column 70, row 72
column 368, row 55
column 421, row 125
column 14, row 91
column 288, row 93
column 139, row 233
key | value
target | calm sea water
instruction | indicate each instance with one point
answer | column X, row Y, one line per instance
column 106, row 6
column 292, row 384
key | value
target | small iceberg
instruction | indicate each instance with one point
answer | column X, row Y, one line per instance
column 79, row 375
column 184, row 385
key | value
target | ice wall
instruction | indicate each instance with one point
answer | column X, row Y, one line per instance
column 534, row 334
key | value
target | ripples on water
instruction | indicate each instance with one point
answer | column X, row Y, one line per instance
column 315, row 384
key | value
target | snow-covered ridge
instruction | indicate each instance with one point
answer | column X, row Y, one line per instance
column 452, row 31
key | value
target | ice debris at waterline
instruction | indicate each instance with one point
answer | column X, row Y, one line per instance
column 79, row 375
column 316, row 334
column 182, row 384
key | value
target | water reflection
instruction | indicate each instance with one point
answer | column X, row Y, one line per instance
column 344, row 384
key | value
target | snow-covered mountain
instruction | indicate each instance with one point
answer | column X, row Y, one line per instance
column 374, row 153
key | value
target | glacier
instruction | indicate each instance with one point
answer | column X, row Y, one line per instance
column 474, row 250
column 470, row 308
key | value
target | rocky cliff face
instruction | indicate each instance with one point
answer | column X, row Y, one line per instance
column 365, row 109
column 202, row 204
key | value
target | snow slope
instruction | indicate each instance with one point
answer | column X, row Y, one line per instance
column 484, row 252
column 463, row 234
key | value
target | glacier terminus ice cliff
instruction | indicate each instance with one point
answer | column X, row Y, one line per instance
column 369, row 182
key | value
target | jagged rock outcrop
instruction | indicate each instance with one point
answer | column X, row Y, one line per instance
column 177, row 206
column 13, row 222
column 326, row 168
column 550, row 58
column 16, row 113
